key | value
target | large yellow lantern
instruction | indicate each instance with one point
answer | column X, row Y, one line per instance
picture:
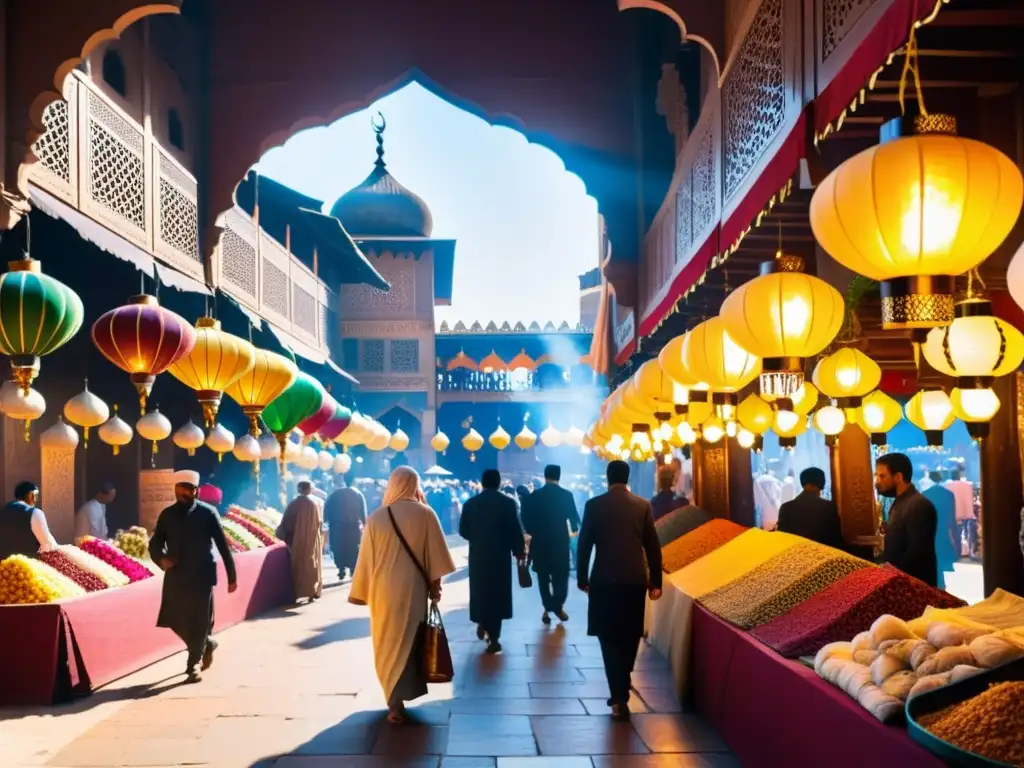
column 847, row 375
column 526, row 439
column 932, row 413
column 783, row 316
column 878, row 413
column 710, row 354
column 270, row 375
column 789, row 426
column 975, row 348
column 472, row 441
column 670, row 360
column 830, row 421
column 916, row 211
column 499, row 438
column 755, row 416
column 975, row 407
column 440, row 442
column 398, row 441
column 217, row 361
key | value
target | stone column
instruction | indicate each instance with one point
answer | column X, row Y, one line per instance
column 1002, row 459
column 428, row 428
column 853, row 489
column 57, row 480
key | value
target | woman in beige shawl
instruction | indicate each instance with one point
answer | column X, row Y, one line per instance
column 301, row 529
column 393, row 586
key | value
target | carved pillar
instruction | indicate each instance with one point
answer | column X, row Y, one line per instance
column 57, row 480
column 722, row 480
column 1002, row 460
column 21, row 459
column 853, row 489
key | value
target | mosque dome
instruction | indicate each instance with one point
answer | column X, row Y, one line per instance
column 380, row 206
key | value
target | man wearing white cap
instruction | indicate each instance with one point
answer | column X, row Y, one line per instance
column 182, row 545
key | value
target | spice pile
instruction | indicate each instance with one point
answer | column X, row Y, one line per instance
column 848, row 607
column 699, row 542
column 732, row 561
column 991, row 724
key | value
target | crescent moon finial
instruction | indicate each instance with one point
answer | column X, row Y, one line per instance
column 379, row 127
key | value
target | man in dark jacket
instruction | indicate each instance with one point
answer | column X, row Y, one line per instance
column 182, row 545
column 490, row 525
column 910, row 535
column 811, row 516
column 548, row 515
column 619, row 527
column 345, row 514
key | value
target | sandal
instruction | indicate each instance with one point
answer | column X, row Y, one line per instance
column 396, row 716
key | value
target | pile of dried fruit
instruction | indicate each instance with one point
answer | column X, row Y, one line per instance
column 991, row 724
column 24, row 580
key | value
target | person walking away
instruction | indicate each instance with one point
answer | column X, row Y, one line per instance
column 548, row 517
column 910, row 534
column 302, row 530
column 767, row 497
column 618, row 528
column 23, row 528
column 963, row 493
column 788, row 489
column 665, row 500
column 182, row 545
column 395, row 580
column 947, row 532
column 345, row 512
column 811, row 516
column 91, row 517
column 490, row 525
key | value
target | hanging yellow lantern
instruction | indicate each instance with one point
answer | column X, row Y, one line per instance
column 712, row 430
column 746, row 439
column 270, row 375
column 710, row 355
column 802, row 402
column 499, row 438
column 975, row 407
column 573, row 436
column 189, row 437
column 86, row 410
column 878, row 413
column 551, row 437
column 670, row 360
column 698, row 413
column 399, row 441
column 847, row 375
column 974, row 349
column 914, row 212
column 154, row 426
column 115, row 432
column 472, row 441
column 639, row 442
column 830, row 421
column 217, row 361
column 440, row 442
column 789, row 426
column 931, row 412
column 526, row 439
column 380, row 438
column 754, row 414
column 656, row 386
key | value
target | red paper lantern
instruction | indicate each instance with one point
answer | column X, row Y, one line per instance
column 143, row 339
column 312, row 423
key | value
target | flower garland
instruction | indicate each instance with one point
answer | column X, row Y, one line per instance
column 24, row 581
column 240, row 534
column 267, row 517
column 234, row 544
column 108, row 574
column 237, row 513
column 266, row 538
column 115, row 558
column 65, row 566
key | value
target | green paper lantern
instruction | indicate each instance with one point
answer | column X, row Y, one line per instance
column 297, row 403
column 38, row 314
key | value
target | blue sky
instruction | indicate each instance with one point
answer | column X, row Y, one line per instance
column 525, row 226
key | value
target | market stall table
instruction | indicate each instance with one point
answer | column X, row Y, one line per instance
column 56, row 650
column 772, row 711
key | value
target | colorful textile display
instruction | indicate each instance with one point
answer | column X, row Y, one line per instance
column 780, row 584
column 732, row 560
column 108, row 574
column 697, row 543
column 679, row 522
column 61, row 563
column 849, row 606
column 24, row 580
column 115, row 558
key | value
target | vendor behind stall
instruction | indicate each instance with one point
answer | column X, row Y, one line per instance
column 91, row 517
column 23, row 528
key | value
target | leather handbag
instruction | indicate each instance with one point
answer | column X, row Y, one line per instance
column 525, row 579
column 431, row 646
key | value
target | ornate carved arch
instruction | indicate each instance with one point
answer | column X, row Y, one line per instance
column 706, row 27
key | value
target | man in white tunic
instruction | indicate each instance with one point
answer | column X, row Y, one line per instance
column 396, row 588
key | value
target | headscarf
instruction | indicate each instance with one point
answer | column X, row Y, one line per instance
column 403, row 485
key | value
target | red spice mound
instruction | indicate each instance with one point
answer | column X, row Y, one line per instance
column 848, row 607
column 66, row 567
column 697, row 543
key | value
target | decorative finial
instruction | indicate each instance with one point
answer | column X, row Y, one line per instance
column 378, row 128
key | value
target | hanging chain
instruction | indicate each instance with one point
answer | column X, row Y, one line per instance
column 911, row 65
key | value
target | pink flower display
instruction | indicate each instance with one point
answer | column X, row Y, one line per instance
column 252, row 528
column 115, row 558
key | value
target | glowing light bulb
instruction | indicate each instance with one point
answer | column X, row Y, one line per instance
column 873, row 416
column 685, row 433
column 830, row 420
column 975, row 405
column 713, row 430
column 745, row 438
column 730, row 428
column 786, row 420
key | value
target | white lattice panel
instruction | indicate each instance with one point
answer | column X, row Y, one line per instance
column 177, row 215
column 304, row 292
column 57, row 149
column 275, row 282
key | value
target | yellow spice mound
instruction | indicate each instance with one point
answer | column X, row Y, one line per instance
column 731, row 561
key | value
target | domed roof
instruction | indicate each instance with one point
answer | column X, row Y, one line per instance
column 380, row 206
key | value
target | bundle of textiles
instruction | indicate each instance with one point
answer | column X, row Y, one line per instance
column 730, row 561
column 679, row 522
column 849, row 606
column 780, row 584
column 697, row 543
column 885, row 665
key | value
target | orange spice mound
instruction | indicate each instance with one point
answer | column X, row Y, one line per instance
column 991, row 724
column 697, row 543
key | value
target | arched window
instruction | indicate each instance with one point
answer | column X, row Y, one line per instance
column 113, row 72
column 175, row 133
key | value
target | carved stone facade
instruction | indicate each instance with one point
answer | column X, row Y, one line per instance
column 57, row 485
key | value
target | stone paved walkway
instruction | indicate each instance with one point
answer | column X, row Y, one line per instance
column 296, row 689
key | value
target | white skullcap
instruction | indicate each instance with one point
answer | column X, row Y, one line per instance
column 186, row 477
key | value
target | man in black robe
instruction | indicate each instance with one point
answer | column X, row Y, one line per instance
column 618, row 529
column 548, row 515
column 182, row 545
column 490, row 525
column 811, row 516
column 910, row 534
column 345, row 513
